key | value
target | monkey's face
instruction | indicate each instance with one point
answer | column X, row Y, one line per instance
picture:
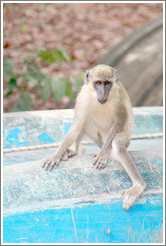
column 102, row 88
column 102, row 78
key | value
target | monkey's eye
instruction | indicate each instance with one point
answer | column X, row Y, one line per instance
column 107, row 82
column 98, row 82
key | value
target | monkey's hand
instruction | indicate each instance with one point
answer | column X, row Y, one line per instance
column 101, row 160
column 50, row 162
column 131, row 195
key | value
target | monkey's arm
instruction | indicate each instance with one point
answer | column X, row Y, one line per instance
column 74, row 135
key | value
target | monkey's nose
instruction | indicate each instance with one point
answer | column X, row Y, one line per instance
column 102, row 101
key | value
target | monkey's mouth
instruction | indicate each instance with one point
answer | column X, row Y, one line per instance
column 102, row 101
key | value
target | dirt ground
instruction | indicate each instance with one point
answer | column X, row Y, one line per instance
column 86, row 30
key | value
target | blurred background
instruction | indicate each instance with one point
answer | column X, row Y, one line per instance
column 48, row 46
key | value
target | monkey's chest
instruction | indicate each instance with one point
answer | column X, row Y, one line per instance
column 101, row 119
column 102, row 122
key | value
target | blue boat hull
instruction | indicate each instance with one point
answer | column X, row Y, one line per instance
column 76, row 203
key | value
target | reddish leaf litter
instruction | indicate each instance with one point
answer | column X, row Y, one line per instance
column 86, row 30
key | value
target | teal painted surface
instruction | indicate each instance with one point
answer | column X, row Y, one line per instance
column 28, row 187
column 76, row 203
column 144, row 124
column 12, row 138
column 27, row 129
column 45, row 138
column 87, row 224
column 46, row 226
column 141, row 223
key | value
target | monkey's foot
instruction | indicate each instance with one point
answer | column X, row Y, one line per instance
column 131, row 196
column 69, row 153
column 101, row 161
column 50, row 162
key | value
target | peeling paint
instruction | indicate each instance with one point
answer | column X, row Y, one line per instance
column 74, row 225
column 14, row 138
column 45, row 138
column 91, row 222
column 76, row 203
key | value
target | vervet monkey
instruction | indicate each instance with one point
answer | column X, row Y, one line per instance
column 103, row 111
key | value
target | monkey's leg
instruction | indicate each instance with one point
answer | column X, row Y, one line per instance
column 131, row 195
column 73, row 135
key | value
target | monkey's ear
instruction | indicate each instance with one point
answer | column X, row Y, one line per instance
column 86, row 78
column 116, row 75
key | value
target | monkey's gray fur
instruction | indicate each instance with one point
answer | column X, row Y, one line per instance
column 103, row 111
